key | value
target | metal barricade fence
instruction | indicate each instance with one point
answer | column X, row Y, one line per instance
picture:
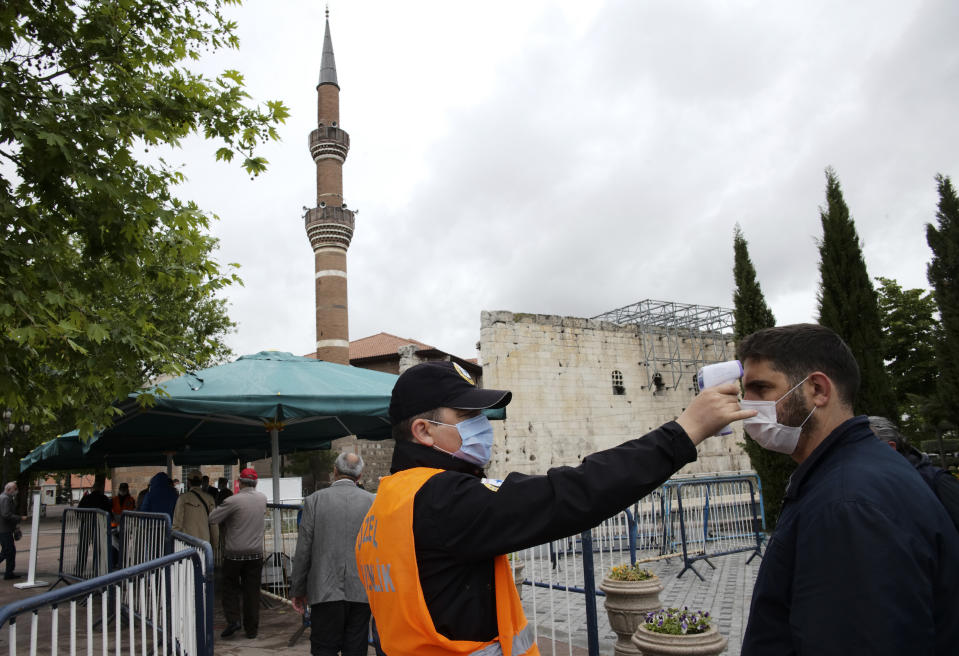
column 277, row 575
column 717, row 518
column 91, row 616
column 204, row 614
column 85, row 548
column 652, row 529
column 143, row 537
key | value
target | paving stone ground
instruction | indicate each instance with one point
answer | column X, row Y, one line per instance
column 726, row 592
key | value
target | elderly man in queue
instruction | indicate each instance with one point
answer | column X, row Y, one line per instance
column 243, row 518
column 324, row 565
column 9, row 521
column 431, row 549
column 863, row 558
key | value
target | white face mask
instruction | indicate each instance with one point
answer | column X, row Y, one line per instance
column 766, row 429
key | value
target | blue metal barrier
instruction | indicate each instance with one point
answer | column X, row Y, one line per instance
column 179, row 542
column 143, row 537
column 85, row 548
column 729, row 527
column 153, row 575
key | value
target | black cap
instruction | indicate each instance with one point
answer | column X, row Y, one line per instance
column 431, row 385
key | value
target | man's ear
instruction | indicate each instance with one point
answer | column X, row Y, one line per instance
column 822, row 389
column 420, row 429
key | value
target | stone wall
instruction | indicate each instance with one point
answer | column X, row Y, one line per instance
column 564, row 407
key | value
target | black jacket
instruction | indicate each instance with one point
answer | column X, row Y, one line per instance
column 461, row 521
column 864, row 559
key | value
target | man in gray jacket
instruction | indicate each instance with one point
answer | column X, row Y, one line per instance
column 324, row 566
column 243, row 517
column 9, row 519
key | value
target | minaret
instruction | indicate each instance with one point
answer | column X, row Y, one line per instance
column 329, row 225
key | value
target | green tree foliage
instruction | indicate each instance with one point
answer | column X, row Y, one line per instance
column 909, row 336
column 106, row 278
column 943, row 274
column 751, row 314
column 848, row 303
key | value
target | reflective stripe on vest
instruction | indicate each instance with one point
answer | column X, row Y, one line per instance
column 386, row 560
column 521, row 642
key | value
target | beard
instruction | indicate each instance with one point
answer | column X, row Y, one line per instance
column 795, row 411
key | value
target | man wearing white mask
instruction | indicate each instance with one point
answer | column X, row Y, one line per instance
column 863, row 559
column 431, row 549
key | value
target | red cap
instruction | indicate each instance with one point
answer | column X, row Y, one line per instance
column 248, row 474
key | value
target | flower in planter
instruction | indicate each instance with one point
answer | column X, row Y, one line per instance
column 630, row 573
column 678, row 622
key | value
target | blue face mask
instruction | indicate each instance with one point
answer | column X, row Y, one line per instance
column 477, row 436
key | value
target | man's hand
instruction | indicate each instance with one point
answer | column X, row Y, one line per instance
column 299, row 604
column 712, row 409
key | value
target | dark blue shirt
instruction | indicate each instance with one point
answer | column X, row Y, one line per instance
column 864, row 559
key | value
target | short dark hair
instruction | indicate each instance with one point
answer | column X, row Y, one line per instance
column 799, row 349
column 402, row 430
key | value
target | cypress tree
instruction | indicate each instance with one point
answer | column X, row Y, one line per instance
column 751, row 314
column 848, row 303
column 943, row 274
column 750, row 311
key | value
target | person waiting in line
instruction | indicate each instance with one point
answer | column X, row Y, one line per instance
column 324, row 565
column 941, row 482
column 191, row 515
column 223, row 490
column 9, row 526
column 863, row 557
column 243, row 516
column 96, row 498
column 161, row 497
column 431, row 549
column 122, row 501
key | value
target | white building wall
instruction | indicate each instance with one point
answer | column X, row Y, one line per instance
column 560, row 372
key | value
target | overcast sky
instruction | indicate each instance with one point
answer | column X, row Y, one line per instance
column 571, row 157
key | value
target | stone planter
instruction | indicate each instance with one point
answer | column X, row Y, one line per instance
column 650, row 643
column 518, row 577
column 627, row 603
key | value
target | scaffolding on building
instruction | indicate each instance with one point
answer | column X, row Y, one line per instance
column 677, row 339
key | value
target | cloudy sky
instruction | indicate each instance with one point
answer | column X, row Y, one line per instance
column 571, row 157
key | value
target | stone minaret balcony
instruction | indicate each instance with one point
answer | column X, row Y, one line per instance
column 329, row 227
column 329, row 142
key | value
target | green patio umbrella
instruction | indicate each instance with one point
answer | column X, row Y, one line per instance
column 273, row 402
column 65, row 452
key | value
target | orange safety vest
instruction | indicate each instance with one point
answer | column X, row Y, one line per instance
column 386, row 559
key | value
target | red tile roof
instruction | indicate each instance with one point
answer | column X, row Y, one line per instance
column 381, row 344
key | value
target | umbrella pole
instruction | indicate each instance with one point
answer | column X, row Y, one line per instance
column 169, row 466
column 275, row 466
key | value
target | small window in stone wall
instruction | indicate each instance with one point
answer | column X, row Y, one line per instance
column 618, row 388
